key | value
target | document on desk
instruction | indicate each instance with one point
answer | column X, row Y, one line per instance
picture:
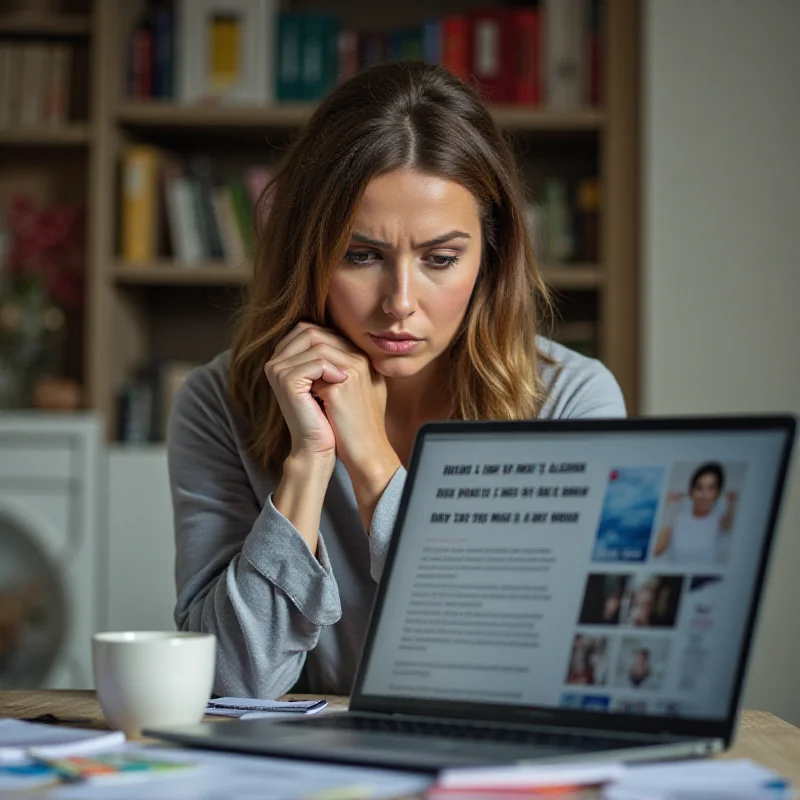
column 699, row 780
column 221, row 776
column 249, row 708
column 18, row 737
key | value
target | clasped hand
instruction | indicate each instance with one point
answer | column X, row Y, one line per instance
column 333, row 401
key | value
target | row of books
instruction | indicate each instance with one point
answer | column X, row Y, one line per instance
column 548, row 53
column 564, row 223
column 194, row 211
column 34, row 83
column 185, row 209
column 144, row 401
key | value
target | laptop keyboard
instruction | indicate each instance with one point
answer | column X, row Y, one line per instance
column 476, row 733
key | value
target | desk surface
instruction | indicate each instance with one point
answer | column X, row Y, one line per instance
column 761, row 737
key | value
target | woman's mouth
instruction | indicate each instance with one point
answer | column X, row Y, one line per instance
column 396, row 343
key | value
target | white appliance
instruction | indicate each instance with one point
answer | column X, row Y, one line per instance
column 51, row 587
column 141, row 544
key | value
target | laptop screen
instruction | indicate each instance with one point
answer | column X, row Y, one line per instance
column 594, row 570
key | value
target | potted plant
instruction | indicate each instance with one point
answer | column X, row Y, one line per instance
column 41, row 286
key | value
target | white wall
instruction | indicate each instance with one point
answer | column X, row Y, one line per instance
column 721, row 289
column 141, row 546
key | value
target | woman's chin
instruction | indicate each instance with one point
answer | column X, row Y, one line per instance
column 396, row 366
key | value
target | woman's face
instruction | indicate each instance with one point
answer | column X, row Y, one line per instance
column 704, row 494
column 402, row 290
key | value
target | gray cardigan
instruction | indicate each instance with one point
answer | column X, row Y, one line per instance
column 244, row 573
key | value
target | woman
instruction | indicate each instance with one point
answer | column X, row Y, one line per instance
column 639, row 675
column 394, row 283
column 702, row 519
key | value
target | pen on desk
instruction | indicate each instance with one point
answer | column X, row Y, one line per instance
column 62, row 769
column 779, row 789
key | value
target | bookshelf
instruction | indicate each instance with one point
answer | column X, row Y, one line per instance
column 168, row 115
column 46, row 131
column 65, row 135
column 48, row 24
column 162, row 308
column 219, row 273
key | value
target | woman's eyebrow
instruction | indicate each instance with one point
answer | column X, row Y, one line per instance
column 445, row 237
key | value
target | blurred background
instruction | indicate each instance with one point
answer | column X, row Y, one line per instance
column 656, row 140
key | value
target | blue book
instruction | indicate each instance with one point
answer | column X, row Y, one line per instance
column 319, row 59
column 432, row 41
column 290, row 36
column 163, row 52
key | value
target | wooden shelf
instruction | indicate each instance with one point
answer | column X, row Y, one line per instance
column 535, row 119
column 288, row 115
column 64, row 134
column 217, row 273
column 168, row 273
column 45, row 24
column 574, row 276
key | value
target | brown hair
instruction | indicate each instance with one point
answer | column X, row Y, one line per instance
column 393, row 116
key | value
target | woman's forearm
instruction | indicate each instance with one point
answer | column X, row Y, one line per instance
column 301, row 493
column 370, row 482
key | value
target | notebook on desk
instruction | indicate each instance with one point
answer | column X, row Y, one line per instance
column 557, row 591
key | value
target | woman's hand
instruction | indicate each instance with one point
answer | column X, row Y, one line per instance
column 353, row 397
column 293, row 372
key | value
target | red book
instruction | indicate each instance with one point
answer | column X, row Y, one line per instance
column 527, row 80
column 143, row 62
column 455, row 45
column 492, row 53
column 347, row 45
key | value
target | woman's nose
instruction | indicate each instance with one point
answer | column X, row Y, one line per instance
column 400, row 293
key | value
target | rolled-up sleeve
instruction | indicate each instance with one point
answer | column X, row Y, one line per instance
column 243, row 571
column 383, row 519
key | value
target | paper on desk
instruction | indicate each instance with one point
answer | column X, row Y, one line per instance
column 221, row 776
column 531, row 776
column 249, row 708
column 18, row 738
column 711, row 780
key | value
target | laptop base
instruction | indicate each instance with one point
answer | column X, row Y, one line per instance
column 298, row 739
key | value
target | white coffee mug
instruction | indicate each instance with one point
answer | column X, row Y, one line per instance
column 149, row 679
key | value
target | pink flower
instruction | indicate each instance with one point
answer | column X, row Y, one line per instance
column 48, row 244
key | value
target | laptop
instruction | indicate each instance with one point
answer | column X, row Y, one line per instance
column 556, row 591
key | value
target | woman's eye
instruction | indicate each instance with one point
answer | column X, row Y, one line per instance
column 359, row 257
column 440, row 261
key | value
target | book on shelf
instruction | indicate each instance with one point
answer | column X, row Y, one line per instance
column 546, row 53
column 35, row 83
column 190, row 211
column 145, row 400
column 565, row 32
column 564, row 225
column 139, row 200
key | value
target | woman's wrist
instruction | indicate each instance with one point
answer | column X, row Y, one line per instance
column 370, row 479
column 307, row 464
column 301, row 493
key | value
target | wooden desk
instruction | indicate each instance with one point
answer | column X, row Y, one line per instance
column 761, row 737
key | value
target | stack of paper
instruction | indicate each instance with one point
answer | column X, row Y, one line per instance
column 520, row 781
column 678, row 780
column 700, row 780
column 248, row 708
column 134, row 773
column 18, row 738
